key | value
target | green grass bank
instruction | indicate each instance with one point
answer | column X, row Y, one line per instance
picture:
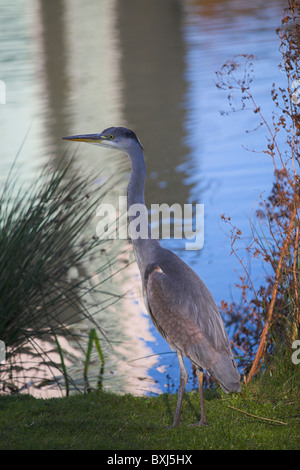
column 101, row 420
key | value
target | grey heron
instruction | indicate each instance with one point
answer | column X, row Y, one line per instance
column 179, row 303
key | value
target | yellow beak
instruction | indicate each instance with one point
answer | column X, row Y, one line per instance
column 89, row 138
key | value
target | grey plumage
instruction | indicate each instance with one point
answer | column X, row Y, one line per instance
column 180, row 305
column 184, row 312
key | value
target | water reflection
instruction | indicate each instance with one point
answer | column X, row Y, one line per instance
column 224, row 176
column 153, row 69
column 74, row 67
column 54, row 74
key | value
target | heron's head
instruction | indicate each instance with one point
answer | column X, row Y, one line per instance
column 114, row 137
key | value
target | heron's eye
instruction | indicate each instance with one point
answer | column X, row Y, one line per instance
column 111, row 136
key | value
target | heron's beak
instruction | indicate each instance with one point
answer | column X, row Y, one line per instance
column 97, row 139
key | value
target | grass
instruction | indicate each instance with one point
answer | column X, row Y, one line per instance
column 102, row 420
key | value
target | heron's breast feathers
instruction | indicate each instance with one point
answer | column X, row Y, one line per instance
column 170, row 312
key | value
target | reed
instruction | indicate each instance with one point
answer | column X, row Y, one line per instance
column 46, row 234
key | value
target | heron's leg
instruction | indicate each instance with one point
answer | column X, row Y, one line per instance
column 199, row 373
column 183, row 380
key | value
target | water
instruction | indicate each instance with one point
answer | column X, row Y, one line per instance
column 78, row 67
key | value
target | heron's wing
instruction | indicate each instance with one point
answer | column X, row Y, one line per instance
column 187, row 316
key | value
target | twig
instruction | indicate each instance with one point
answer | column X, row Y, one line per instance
column 297, row 314
column 264, row 335
column 259, row 417
column 294, row 268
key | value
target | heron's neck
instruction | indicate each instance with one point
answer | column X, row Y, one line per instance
column 143, row 247
column 135, row 193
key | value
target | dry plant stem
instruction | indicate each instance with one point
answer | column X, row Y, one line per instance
column 259, row 417
column 294, row 271
column 263, row 338
column 297, row 307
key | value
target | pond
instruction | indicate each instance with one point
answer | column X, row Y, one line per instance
column 72, row 67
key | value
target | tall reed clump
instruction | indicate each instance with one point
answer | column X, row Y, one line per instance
column 267, row 322
column 44, row 240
